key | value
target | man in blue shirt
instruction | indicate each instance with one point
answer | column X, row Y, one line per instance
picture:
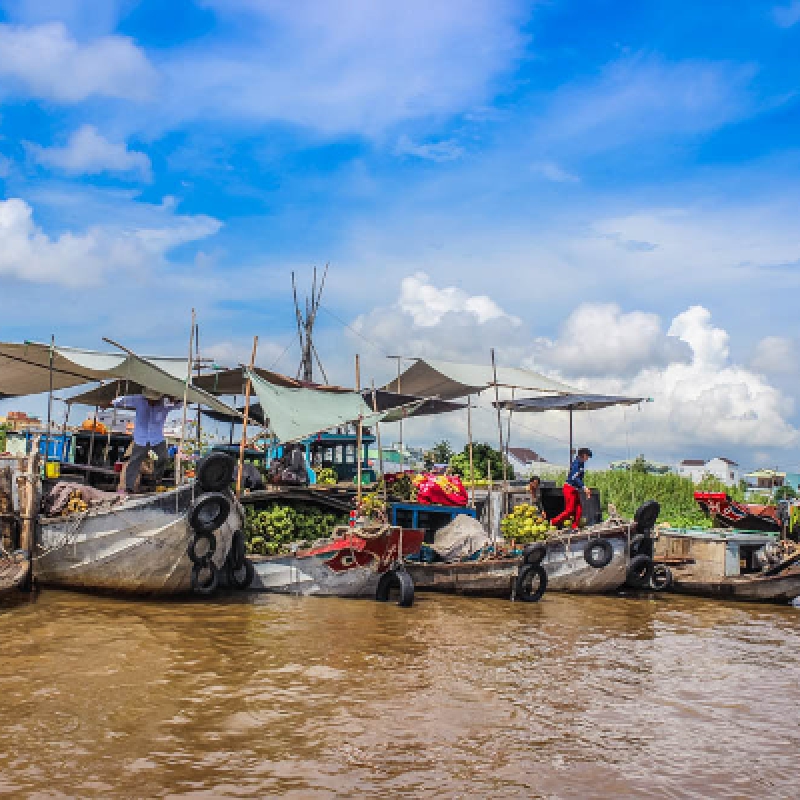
column 573, row 488
column 151, row 410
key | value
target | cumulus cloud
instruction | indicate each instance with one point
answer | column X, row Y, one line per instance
column 45, row 61
column 88, row 152
column 601, row 339
column 553, row 172
column 357, row 67
column 27, row 253
column 775, row 355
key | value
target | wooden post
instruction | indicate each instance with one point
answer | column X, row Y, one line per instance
column 571, row 449
column 178, row 470
column 28, row 490
column 380, row 448
column 358, row 438
column 469, row 439
column 49, row 404
column 499, row 420
column 248, row 389
column 489, row 498
column 91, row 438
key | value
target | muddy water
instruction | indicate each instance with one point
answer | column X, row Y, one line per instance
column 573, row 697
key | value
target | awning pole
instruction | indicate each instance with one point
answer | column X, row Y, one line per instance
column 178, row 470
column 469, row 440
column 91, row 438
column 499, row 422
column 247, row 391
column 358, row 438
column 571, row 449
column 380, row 447
column 49, row 405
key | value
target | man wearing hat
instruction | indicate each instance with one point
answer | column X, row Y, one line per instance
column 151, row 409
column 573, row 488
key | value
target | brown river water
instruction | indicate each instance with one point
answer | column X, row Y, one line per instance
column 311, row 697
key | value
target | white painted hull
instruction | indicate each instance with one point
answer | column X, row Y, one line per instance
column 138, row 547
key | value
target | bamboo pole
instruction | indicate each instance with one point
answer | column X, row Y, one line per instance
column 247, row 391
column 91, row 438
column 198, row 367
column 178, row 470
column 469, row 439
column 500, row 429
column 358, row 437
column 49, row 404
column 380, row 448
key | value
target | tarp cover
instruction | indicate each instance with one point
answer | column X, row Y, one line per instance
column 297, row 413
column 447, row 380
column 570, row 402
column 24, row 369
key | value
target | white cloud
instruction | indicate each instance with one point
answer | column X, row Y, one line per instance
column 446, row 150
column 600, row 339
column 27, row 253
column 88, row 152
column 89, row 16
column 553, row 172
column 787, row 16
column 357, row 67
column 775, row 355
column 45, row 61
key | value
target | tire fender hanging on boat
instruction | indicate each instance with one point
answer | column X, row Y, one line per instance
column 661, row 578
column 399, row 579
column 205, row 555
column 534, row 553
column 209, row 512
column 205, row 578
column 640, row 572
column 242, row 576
column 598, row 553
column 215, row 472
column 530, row 575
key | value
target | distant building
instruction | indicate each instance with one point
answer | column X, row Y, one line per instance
column 524, row 461
column 650, row 467
column 764, row 480
column 723, row 469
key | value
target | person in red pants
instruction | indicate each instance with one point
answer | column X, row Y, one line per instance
column 573, row 489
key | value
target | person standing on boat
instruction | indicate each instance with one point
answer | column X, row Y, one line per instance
column 151, row 409
column 573, row 489
column 535, row 489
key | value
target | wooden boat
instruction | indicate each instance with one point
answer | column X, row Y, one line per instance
column 728, row 564
column 137, row 546
column 352, row 564
column 14, row 572
column 564, row 561
column 727, row 513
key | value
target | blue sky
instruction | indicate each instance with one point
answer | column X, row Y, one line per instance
column 606, row 191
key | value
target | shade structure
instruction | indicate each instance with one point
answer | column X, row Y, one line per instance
column 233, row 381
column 295, row 413
column 25, row 369
column 448, row 380
column 568, row 402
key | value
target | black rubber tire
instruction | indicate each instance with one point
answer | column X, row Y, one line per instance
column 209, row 512
column 523, row 585
column 209, row 585
column 237, row 553
column 215, row 472
column 661, row 578
column 241, row 577
column 646, row 516
column 211, row 547
column 640, row 571
column 636, row 544
column 601, row 559
column 534, row 553
column 396, row 578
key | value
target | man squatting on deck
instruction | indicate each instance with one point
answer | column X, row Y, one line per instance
column 151, row 410
column 572, row 490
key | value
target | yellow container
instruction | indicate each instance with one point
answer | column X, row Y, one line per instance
column 53, row 469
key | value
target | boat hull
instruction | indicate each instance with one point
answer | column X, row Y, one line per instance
column 781, row 588
column 14, row 571
column 566, row 567
column 346, row 567
column 138, row 548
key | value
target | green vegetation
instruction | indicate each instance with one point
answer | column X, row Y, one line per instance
column 272, row 530
column 524, row 524
column 482, row 455
column 628, row 490
column 326, row 476
column 785, row 493
column 3, row 430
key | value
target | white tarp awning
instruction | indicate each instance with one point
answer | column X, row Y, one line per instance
column 295, row 413
column 448, row 380
column 25, row 370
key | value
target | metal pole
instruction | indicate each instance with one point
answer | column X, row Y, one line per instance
column 380, row 447
column 358, row 437
column 499, row 420
column 571, row 449
column 197, row 363
column 247, row 391
column 178, row 477
column 402, row 412
column 91, row 438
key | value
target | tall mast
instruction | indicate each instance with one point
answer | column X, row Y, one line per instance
column 305, row 328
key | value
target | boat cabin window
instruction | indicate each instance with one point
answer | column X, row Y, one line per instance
column 748, row 563
column 338, row 454
column 350, row 454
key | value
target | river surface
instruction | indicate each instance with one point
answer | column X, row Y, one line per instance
column 310, row 697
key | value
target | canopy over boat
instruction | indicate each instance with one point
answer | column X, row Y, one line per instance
column 25, row 369
column 568, row 402
column 447, row 380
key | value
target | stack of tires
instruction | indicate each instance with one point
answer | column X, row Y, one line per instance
column 531, row 581
column 208, row 513
column 643, row 573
